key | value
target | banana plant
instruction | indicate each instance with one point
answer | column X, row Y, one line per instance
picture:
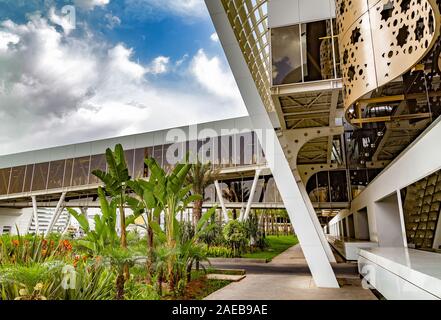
column 173, row 196
column 145, row 201
column 104, row 234
column 115, row 181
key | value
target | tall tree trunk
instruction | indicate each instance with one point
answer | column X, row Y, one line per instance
column 234, row 214
column 124, row 237
column 150, row 254
column 120, row 286
column 197, row 211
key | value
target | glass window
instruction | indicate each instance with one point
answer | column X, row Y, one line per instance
column 56, row 173
column 323, row 186
column 318, row 51
column 286, row 57
column 67, row 182
column 28, row 178
column 39, row 180
column 139, row 166
column 97, row 162
column 4, row 180
column 17, row 179
column 81, row 171
column 339, row 186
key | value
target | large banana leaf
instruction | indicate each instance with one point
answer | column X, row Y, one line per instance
column 82, row 220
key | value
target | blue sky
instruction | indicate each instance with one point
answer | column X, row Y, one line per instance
column 80, row 70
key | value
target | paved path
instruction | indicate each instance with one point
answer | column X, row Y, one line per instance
column 287, row 277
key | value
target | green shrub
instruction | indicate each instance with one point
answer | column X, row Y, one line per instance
column 236, row 236
column 213, row 236
column 219, row 252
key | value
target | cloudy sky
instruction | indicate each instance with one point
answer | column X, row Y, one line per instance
column 111, row 68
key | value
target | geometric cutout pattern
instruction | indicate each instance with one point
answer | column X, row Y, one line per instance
column 380, row 40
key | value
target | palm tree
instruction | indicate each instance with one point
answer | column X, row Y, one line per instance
column 200, row 176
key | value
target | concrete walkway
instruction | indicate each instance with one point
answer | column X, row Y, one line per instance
column 295, row 285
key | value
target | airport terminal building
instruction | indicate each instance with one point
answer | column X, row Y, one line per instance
column 343, row 131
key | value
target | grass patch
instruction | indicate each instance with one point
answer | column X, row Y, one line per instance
column 276, row 245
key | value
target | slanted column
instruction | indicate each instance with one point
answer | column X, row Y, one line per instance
column 221, row 200
column 252, row 192
column 35, row 214
column 58, row 210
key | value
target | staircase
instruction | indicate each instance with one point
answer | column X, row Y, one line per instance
column 44, row 218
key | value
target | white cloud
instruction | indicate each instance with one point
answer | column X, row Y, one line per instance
column 214, row 37
column 215, row 78
column 159, row 65
column 60, row 90
column 91, row 4
column 62, row 21
column 112, row 21
column 7, row 39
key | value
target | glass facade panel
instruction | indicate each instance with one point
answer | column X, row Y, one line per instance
column 286, row 56
column 311, row 188
column 67, row 182
column 318, row 54
column 28, row 178
column 39, row 180
column 4, row 180
column 140, row 169
column 97, row 162
column 56, row 172
column 339, row 186
column 81, row 171
column 323, row 187
column 17, row 180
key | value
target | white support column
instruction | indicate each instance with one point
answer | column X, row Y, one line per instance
column 252, row 192
column 309, row 238
column 35, row 214
column 221, row 200
column 58, row 210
